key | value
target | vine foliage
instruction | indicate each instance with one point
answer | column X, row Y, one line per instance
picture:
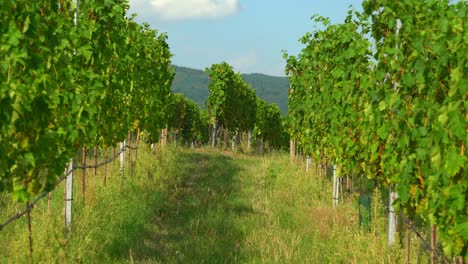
column 395, row 111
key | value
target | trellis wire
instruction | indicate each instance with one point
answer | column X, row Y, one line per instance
column 427, row 245
column 31, row 205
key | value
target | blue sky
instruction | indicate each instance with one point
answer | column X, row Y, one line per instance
column 248, row 34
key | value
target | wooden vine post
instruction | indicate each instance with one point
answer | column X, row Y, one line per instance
column 29, row 229
column 83, row 173
column 129, row 145
column 49, row 202
column 68, row 193
column 122, row 157
column 106, row 156
column 392, row 218
column 233, row 145
column 336, row 186
column 433, row 244
column 68, row 190
column 213, row 135
column 137, row 143
column 408, row 242
column 292, row 150
column 95, row 154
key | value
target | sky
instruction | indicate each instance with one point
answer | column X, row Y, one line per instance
column 248, row 34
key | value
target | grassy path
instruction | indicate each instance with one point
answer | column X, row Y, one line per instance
column 198, row 220
column 224, row 208
column 204, row 206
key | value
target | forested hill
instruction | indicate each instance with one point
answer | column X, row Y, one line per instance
column 193, row 83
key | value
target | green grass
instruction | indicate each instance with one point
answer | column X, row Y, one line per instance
column 203, row 206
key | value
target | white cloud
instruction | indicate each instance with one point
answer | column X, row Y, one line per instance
column 245, row 62
column 186, row 9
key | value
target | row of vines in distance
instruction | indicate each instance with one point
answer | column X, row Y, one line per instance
column 393, row 109
column 233, row 105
